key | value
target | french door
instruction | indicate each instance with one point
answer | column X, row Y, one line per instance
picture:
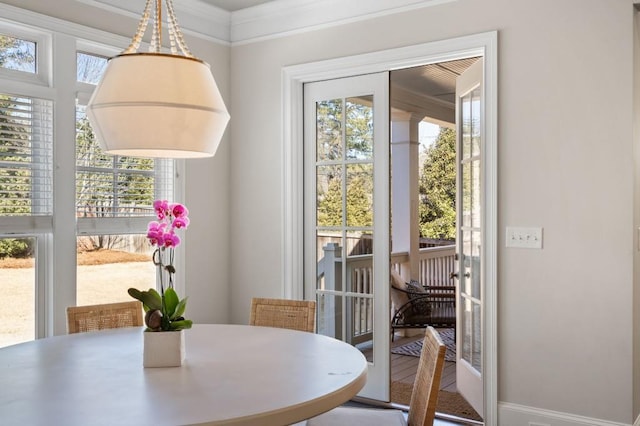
column 346, row 215
column 470, row 236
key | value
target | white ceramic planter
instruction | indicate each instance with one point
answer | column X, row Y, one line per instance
column 163, row 348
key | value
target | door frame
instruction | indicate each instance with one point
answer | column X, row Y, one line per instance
column 293, row 79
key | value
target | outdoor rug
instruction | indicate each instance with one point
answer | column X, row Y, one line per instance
column 414, row 348
column 448, row 402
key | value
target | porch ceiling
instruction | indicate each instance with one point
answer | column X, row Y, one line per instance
column 435, row 81
column 428, row 91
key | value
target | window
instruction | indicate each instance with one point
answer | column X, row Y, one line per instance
column 88, row 208
column 26, row 156
column 90, row 67
column 17, row 283
column 108, row 265
column 17, row 54
column 115, row 186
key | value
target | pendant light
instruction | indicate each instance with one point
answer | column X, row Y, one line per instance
column 158, row 104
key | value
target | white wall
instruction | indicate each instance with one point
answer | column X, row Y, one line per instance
column 565, row 163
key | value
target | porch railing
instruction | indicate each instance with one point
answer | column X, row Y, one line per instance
column 435, row 266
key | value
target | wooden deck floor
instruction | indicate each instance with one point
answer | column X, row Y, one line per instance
column 403, row 367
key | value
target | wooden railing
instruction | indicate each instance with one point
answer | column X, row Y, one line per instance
column 436, row 265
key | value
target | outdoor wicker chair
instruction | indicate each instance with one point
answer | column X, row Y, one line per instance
column 416, row 306
column 422, row 408
column 284, row 313
column 100, row 317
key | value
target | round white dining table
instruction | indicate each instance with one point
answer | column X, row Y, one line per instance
column 232, row 374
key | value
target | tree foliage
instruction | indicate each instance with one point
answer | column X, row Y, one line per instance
column 438, row 188
column 16, row 53
column 339, row 148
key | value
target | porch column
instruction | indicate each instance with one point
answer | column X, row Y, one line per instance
column 405, row 235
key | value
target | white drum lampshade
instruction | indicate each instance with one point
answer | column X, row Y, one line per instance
column 158, row 104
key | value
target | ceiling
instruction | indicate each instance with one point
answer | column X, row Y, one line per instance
column 233, row 5
column 436, row 81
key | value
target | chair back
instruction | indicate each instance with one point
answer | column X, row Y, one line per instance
column 422, row 408
column 100, row 317
column 284, row 313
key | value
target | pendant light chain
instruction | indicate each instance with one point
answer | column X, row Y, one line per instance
column 142, row 26
column 156, row 37
column 176, row 38
column 174, row 29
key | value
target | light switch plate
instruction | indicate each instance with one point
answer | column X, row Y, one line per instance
column 524, row 237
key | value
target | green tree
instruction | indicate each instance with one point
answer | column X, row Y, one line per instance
column 359, row 196
column 359, row 128
column 329, row 130
column 332, row 147
column 438, row 188
column 329, row 202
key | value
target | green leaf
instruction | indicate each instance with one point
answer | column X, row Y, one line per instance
column 171, row 301
column 180, row 325
column 151, row 299
column 154, row 292
column 180, row 309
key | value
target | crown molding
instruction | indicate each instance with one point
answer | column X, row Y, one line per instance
column 269, row 20
column 195, row 17
column 284, row 17
column 39, row 21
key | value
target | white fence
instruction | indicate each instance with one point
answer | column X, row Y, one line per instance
column 436, row 266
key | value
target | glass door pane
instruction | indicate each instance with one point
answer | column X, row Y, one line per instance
column 344, row 218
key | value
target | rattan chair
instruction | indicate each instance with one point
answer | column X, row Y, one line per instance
column 100, row 317
column 422, row 408
column 284, row 313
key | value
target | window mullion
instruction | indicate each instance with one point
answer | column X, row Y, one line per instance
column 64, row 238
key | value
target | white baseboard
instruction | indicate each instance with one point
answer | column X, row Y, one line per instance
column 519, row 415
column 637, row 422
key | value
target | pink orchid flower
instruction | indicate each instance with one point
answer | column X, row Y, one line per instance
column 178, row 210
column 155, row 233
column 181, row 222
column 161, row 208
column 171, row 240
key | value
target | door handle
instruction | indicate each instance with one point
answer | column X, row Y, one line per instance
column 453, row 275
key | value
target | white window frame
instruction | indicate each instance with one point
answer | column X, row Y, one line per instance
column 43, row 42
column 56, row 235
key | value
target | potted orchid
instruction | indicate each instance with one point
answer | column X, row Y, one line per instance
column 164, row 310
